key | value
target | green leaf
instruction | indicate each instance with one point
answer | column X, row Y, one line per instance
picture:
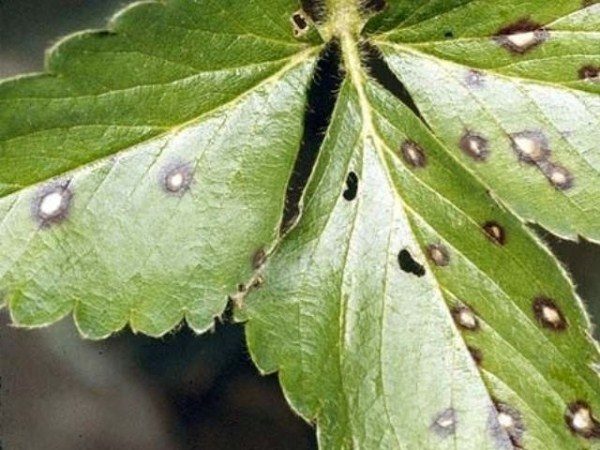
column 144, row 176
column 421, row 312
column 212, row 102
column 521, row 77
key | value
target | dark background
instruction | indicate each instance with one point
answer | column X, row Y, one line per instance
column 131, row 392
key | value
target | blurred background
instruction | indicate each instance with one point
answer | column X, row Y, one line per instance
column 59, row 392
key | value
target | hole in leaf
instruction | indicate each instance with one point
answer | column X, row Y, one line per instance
column 379, row 69
column 321, row 101
column 449, row 34
column 299, row 23
column 409, row 265
column 351, row 187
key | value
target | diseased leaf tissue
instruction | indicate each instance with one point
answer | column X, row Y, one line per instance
column 143, row 181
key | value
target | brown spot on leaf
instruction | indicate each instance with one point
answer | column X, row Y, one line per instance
column 531, row 147
column 558, row 176
column 474, row 145
column 521, row 36
column 465, row 318
column 52, row 203
column 548, row 314
column 495, row 232
column 413, row 154
column 444, row 424
column 177, row 178
column 589, row 72
column 475, row 78
column 438, row 254
column 511, row 421
column 581, row 421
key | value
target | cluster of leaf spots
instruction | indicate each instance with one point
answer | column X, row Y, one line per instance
column 404, row 263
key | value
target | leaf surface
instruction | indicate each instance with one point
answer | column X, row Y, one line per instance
column 419, row 313
column 157, row 157
column 512, row 88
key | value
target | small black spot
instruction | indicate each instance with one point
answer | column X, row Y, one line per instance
column 580, row 419
column 444, row 424
column 465, row 318
column 476, row 354
column 176, row 179
column 449, row 34
column 558, row 176
column 259, row 258
column 590, row 72
column 495, row 232
column 351, row 187
column 300, row 21
column 409, row 265
column 474, row 145
column 531, row 146
column 374, row 6
column 475, row 79
column 548, row 314
column 510, row 420
column 52, row 203
column 413, row 154
column 539, row 35
column 438, row 254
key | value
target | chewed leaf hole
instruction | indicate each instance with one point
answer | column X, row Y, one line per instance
column 374, row 6
column 351, row 187
column 409, row 265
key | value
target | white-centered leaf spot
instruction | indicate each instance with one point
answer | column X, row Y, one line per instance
column 52, row 203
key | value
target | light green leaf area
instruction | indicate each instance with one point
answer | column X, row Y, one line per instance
column 140, row 174
column 521, row 77
column 377, row 356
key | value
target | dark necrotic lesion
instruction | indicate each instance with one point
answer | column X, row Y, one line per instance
column 409, row 265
